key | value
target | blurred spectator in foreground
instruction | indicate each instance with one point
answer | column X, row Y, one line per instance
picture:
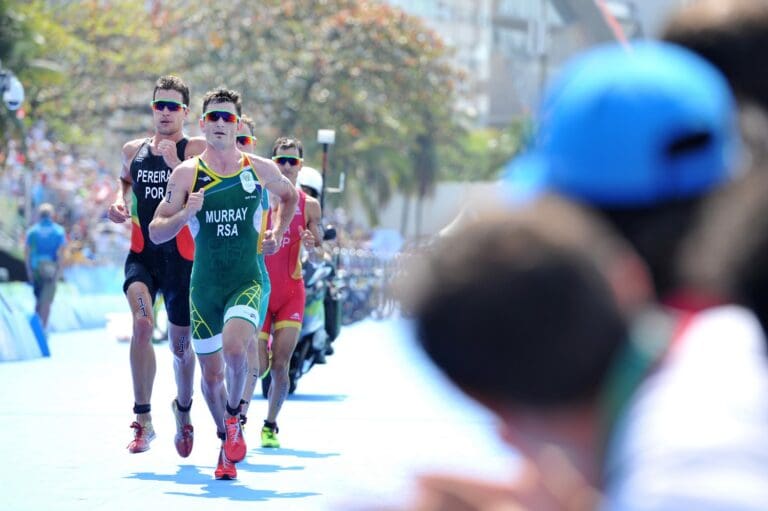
column 43, row 252
column 645, row 138
column 529, row 292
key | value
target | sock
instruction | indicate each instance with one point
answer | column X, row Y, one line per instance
column 184, row 409
column 234, row 412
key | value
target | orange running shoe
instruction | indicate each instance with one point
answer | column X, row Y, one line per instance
column 185, row 435
column 234, row 445
column 225, row 469
column 142, row 436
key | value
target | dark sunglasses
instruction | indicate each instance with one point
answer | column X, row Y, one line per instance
column 246, row 139
column 282, row 160
column 215, row 115
column 159, row 105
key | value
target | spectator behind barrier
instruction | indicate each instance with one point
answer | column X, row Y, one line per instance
column 43, row 252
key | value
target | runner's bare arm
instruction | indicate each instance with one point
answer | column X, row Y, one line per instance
column 178, row 206
column 312, row 236
column 314, row 215
column 119, row 211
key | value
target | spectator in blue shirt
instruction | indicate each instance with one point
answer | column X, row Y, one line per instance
column 43, row 254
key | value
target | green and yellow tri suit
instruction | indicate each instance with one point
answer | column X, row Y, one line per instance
column 228, row 280
column 266, row 288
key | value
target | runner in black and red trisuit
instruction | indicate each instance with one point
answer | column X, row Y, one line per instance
column 146, row 165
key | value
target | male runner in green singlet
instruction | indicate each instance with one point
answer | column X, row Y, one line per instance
column 219, row 195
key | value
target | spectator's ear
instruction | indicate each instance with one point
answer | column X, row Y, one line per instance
column 630, row 281
column 504, row 414
column 514, row 428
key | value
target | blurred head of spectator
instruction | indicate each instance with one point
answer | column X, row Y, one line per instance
column 732, row 35
column 643, row 136
column 519, row 311
column 45, row 211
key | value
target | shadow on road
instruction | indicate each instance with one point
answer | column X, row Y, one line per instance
column 296, row 452
column 317, row 397
column 231, row 490
column 213, row 489
column 187, row 474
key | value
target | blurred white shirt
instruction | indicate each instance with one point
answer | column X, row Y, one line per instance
column 695, row 434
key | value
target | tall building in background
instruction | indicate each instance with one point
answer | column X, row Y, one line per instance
column 508, row 49
column 531, row 38
column 465, row 27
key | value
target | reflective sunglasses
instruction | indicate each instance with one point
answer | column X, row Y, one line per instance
column 215, row 115
column 159, row 105
column 246, row 139
column 282, row 160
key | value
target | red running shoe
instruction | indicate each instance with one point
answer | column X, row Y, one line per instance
column 225, row 469
column 185, row 435
column 142, row 436
column 234, row 445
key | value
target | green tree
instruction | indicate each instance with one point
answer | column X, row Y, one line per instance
column 84, row 63
column 481, row 153
column 376, row 75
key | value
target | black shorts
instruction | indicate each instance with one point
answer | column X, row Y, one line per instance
column 165, row 271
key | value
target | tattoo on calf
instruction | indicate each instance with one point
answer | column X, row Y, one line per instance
column 142, row 307
column 181, row 346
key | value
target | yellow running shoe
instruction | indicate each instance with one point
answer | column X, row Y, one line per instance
column 269, row 437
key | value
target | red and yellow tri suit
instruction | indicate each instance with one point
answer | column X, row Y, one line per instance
column 286, row 301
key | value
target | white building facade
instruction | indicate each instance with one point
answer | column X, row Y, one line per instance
column 508, row 49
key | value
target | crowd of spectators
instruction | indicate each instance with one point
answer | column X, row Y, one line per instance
column 79, row 187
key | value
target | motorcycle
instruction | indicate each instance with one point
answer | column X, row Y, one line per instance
column 322, row 319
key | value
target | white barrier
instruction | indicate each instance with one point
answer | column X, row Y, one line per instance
column 83, row 301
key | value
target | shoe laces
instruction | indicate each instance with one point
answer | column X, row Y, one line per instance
column 139, row 430
column 224, row 462
column 233, row 428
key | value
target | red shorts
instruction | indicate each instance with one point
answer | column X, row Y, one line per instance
column 286, row 307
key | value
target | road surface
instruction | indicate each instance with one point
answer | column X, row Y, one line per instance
column 357, row 431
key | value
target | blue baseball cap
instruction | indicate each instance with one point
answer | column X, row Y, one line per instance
column 630, row 128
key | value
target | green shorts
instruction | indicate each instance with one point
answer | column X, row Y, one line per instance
column 211, row 307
